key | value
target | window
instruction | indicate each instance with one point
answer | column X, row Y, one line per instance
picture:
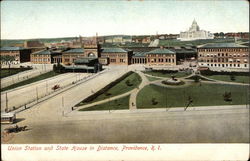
column 113, row 60
column 238, row 65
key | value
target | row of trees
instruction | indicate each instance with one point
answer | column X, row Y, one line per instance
column 7, row 59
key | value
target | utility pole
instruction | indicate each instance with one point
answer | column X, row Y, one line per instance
column 46, row 87
column 62, row 105
column 7, row 108
column 36, row 94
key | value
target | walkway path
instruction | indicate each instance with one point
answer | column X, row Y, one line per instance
column 132, row 99
column 105, row 100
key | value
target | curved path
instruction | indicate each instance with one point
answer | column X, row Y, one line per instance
column 132, row 99
column 105, row 100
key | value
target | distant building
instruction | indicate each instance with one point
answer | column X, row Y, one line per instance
column 20, row 54
column 115, row 56
column 223, row 56
column 240, row 35
column 33, row 44
column 194, row 33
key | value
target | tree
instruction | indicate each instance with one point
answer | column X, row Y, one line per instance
column 154, row 102
column 128, row 83
column 7, row 59
column 227, row 96
column 232, row 77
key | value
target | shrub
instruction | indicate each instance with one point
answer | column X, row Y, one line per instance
column 232, row 77
column 128, row 83
column 227, row 96
column 154, row 102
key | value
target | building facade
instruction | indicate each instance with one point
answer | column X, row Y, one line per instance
column 44, row 57
column 115, row 56
column 194, row 33
column 18, row 54
column 223, row 56
column 68, row 57
column 161, row 57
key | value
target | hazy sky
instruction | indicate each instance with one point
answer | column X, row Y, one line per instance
column 44, row 19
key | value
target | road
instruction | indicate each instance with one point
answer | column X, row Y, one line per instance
column 192, row 126
column 31, row 92
column 37, row 70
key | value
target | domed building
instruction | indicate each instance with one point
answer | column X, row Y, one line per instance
column 194, row 33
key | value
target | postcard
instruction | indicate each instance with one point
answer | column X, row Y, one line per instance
column 125, row 80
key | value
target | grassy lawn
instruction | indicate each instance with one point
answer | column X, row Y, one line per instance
column 8, row 72
column 204, row 95
column 119, row 104
column 152, row 78
column 119, row 88
column 164, row 74
column 31, row 80
column 227, row 78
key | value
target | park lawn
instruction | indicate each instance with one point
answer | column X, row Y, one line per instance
column 118, row 104
column 152, row 78
column 31, row 80
column 227, row 78
column 119, row 88
column 204, row 95
column 168, row 75
column 8, row 72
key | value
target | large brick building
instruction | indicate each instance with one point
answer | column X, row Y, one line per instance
column 115, row 56
column 19, row 54
column 223, row 56
column 161, row 57
column 44, row 56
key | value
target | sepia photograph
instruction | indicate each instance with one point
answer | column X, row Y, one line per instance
column 129, row 77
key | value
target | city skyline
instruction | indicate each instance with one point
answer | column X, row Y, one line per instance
column 51, row 19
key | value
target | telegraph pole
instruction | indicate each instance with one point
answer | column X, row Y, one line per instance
column 62, row 106
column 36, row 94
column 6, row 102
column 46, row 87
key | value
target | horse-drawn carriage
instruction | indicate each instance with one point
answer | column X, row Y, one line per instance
column 55, row 87
column 15, row 129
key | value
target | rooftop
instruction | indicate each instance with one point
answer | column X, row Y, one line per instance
column 84, row 60
column 11, row 48
column 161, row 51
column 140, row 54
column 222, row 45
column 43, row 52
column 76, row 50
column 114, row 50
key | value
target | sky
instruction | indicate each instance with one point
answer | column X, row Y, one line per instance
column 50, row 19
